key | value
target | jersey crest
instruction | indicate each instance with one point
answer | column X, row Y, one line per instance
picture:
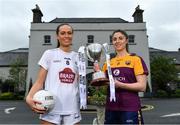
column 116, row 72
column 67, row 76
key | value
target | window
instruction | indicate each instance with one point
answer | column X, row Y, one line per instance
column 131, row 38
column 90, row 39
column 47, row 39
column 110, row 39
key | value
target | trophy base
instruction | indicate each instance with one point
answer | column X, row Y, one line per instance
column 100, row 82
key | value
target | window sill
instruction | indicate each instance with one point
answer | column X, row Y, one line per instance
column 132, row 43
column 46, row 44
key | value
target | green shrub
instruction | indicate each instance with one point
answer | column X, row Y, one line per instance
column 11, row 96
column 98, row 96
column 161, row 93
column 7, row 96
column 97, row 100
column 176, row 93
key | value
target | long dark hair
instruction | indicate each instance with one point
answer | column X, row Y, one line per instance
column 57, row 31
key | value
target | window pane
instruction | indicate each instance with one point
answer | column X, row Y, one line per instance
column 131, row 38
column 110, row 39
column 47, row 39
column 90, row 39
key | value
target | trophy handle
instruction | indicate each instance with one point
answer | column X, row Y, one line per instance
column 81, row 49
column 88, row 55
column 106, row 48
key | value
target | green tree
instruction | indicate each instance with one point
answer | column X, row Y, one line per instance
column 163, row 70
column 17, row 74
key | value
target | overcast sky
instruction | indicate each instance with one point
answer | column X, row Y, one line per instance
column 161, row 16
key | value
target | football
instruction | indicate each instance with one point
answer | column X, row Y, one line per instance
column 46, row 98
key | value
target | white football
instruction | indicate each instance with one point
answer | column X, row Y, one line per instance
column 46, row 98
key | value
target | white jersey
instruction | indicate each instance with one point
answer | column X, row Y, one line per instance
column 61, row 79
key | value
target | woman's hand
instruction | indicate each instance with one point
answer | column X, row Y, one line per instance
column 38, row 85
column 34, row 105
column 117, row 83
column 96, row 67
column 139, row 86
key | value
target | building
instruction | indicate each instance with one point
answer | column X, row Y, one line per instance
column 174, row 55
column 10, row 57
column 86, row 31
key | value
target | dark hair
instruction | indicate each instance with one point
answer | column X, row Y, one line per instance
column 121, row 31
column 57, row 30
column 124, row 33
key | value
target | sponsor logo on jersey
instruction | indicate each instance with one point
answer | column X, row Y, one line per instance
column 67, row 60
column 67, row 76
column 56, row 61
column 128, row 62
column 118, row 63
column 116, row 72
column 121, row 79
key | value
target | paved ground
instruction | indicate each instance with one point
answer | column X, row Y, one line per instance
column 163, row 111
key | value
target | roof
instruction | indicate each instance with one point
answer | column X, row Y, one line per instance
column 175, row 55
column 156, row 50
column 19, row 50
column 7, row 58
column 88, row 20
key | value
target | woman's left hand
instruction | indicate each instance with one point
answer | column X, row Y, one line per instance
column 117, row 83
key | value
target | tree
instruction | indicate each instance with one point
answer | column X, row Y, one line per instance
column 17, row 74
column 7, row 86
column 163, row 71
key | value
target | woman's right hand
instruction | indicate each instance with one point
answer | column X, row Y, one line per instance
column 34, row 105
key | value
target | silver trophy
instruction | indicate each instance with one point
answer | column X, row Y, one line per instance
column 94, row 52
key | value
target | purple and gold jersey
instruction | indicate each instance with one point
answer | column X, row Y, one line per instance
column 125, row 69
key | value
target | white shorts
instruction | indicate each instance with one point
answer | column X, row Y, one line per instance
column 58, row 119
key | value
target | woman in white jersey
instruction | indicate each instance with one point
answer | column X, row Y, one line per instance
column 59, row 72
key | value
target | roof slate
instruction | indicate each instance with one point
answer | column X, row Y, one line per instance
column 7, row 58
column 175, row 55
column 88, row 20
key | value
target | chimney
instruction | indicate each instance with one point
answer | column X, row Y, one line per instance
column 37, row 14
column 138, row 15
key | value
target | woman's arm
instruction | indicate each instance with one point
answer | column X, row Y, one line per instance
column 139, row 86
column 36, row 86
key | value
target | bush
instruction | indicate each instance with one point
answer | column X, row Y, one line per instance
column 7, row 96
column 161, row 93
column 98, row 96
column 97, row 100
column 11, row 96
column 177, row 93
column 19, row 95
column 7, row 86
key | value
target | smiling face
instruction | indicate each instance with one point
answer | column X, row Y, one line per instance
column 119, row 41
column 64, row 35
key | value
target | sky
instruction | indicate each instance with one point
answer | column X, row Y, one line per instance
column 162, row 18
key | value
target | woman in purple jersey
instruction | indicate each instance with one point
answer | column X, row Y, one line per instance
column 130, row 74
